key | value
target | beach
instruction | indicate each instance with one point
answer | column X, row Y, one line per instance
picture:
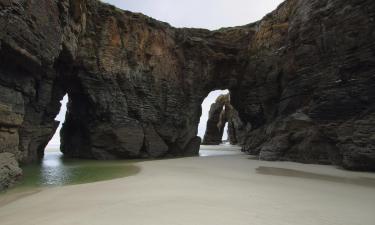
column 229, row 189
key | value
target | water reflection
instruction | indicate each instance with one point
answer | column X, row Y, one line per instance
column 52, row 170
column 219, row 150
column 52, row 159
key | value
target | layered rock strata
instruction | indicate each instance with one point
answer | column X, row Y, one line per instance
column 9, row 170
column 302, row 81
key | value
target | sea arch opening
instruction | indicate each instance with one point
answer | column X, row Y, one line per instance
column 58, row 169
column 219, row 125
column 212, row 109
column 55, row 142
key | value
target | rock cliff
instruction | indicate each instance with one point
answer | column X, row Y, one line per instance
column 302, row 80
column 308, row 90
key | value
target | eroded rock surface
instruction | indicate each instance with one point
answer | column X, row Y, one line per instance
column 216, row 121
column 302, row 81
column 222, row 113
column 9, row 170
column 311, row 76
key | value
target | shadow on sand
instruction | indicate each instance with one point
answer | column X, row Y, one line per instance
column 362, row 181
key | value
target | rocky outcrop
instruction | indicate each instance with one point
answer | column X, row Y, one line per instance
column 311, row 75
column 9, row 170
column 31, row 41
column 220, row 114
column 216, row 121
column 237, row 131
column 301, row 80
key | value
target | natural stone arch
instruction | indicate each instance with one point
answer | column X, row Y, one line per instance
column 132, row 105
column 216, row 121
column 222, row 113
column 134, row 73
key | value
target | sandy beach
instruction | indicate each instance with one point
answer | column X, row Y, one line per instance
column 231, row 189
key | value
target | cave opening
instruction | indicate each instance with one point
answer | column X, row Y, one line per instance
column 55, row 142
column 210, row 129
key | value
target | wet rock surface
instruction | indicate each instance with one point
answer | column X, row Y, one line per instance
column 301, row 79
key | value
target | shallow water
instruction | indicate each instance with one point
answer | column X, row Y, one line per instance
column 54, row 170
column 219, row 150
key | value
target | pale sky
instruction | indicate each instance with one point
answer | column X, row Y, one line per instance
column 209, row 14
column 55, row 141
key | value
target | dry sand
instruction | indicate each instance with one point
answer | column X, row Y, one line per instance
column 217, row 190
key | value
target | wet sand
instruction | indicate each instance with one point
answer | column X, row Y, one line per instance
column 232, row 189
column 14, row 195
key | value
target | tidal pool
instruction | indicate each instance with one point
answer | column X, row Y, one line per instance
column 55, row 170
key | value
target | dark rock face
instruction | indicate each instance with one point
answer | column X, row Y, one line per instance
column 237, row 131
column 302, row 81
column 221, row 113
column 9, row 170
column 312, row 76
column 216, row 121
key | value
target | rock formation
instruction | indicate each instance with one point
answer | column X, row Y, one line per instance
column 9, row 170
column 302, row 80
column 308, row 92
column 221, row 113
column 216, row 121
column 237, row 131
